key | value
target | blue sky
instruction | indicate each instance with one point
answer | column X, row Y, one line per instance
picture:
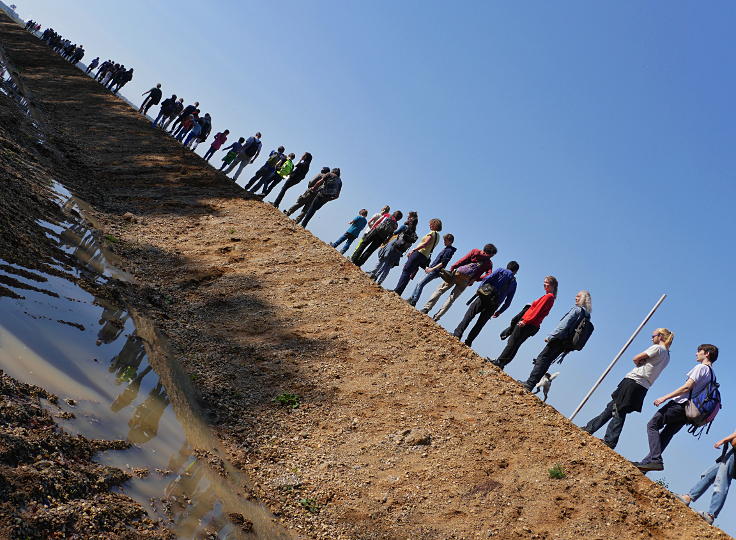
column 591, row 141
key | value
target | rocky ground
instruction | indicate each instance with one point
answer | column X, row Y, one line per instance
column 354, row 415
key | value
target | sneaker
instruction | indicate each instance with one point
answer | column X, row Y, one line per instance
column 682, row 498
column 709, row 518
column 651, row 466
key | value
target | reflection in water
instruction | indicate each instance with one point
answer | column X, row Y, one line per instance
column 97, row 358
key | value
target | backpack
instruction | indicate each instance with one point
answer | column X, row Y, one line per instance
column 703, row 408
column 581, row 334
column 331, row 186
column 405, row 240
column 250, row 146
column 386, row 228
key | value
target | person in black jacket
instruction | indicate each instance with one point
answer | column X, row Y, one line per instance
column 167, row 108
column 189, row 109
column 375, row 237
column 305, row 199
column 153, row 97
column 328, row 190
column 176, row 110
column 296, row 176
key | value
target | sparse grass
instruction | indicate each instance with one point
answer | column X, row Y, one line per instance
column 663, row 482
column 291, row 401
column 557, row 472
column 310, row 505
column 111, row 238
column 231, row 231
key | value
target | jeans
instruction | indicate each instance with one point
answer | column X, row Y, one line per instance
column 190, row 139
column 380, row 272
column 549, row 354
column 414, row 298
column 414, row 262
column 672, row 418
column 261, row 174
column 242, row 160
column 209, row 153
column 615, row 421
column 442, row 289
column 318, row 202
column 161, row 116
column 289, row 183
column 517, row 337
column 347, row 238
column 265, row 183
column 720, row 475
column 484, row 309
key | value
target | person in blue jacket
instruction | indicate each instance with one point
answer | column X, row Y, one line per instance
column 558, row 339
column 356, row 226
column 433, row 271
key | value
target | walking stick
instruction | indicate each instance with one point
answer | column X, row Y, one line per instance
column 620, row 353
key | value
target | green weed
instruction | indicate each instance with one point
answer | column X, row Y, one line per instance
column 310, row 505
column 288, row 400
column 557, row 472
column 112, row 239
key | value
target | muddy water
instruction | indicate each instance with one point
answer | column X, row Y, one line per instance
column 114, row 376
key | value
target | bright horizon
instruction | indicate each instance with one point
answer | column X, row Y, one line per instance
column 590, row 142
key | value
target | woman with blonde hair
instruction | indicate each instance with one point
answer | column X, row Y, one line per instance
column 631, row 391
column 420, row 255
column 558, row 340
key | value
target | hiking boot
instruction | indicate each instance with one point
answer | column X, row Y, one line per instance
column 709, row 518
column 424, row 310
column 411, row 302
column 683, row 499
column 651, row 466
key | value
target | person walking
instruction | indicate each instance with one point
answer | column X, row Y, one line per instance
column 183, row 115
column 476, row 265
column 328, row 190
column 297, row 175
column 390, row 254
column 496, row 290
column 232, row 153
column 419, row 256
column 719, row 476
column 356, row 225
column 193, row 133
column 206, row 128
column 217, row 142
column 670, row 419
column 305, row 199
column 432, row 272
column 380, row 233
column 268, row 183
column 247, row 155
column 167, row 108
column 153, row 97
column 558, row 340
column 631, row 391
column 526, row 324
column 175, row 113
column 92, row 65
column 276, row 158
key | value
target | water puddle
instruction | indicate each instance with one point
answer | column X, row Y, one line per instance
column 112, row 373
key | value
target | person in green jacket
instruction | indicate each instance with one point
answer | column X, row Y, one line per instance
column 275, row 179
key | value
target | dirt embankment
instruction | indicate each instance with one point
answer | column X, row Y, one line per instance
column 401, row 431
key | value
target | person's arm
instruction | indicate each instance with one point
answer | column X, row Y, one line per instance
column 684, row 389
column 144, row 93
column 566, row 324
column 256, row 154
column 423, row 244
column 641, row 358
column 463, row 260
column 728, row 439
column 507, row 302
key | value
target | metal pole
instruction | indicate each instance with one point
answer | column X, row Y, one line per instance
column 620, row 353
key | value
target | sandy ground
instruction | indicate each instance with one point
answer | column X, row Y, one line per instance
column 400, row 431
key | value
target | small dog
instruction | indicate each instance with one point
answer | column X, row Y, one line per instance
column 545, row 384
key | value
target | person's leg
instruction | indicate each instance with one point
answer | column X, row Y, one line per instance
column 702, row 485
column 615, row 427
column 439, row 291
column 545, row 359
column 413, row 262
column 720, row 486
column 318, row 203
column 243, row 163
column 369, row 248
column 256, row 177
column 474, row 308
column 373, row 273
column 414, row 298
column 261, row 184
column 358, row 253
column 153, row 124
column 296, row 206
column 454, row 295
column 383, row 272
column 601, row 420
column 515, row 340
column 288, row 184
column 227, row 167
column 350, row 238
column 485, row 315
column 339, row 240
column 208, row 153
column 148, row 106
column 273, row 181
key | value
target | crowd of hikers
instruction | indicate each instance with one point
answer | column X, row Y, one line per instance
column 694, row 404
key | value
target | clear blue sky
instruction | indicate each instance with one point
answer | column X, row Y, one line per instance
column 591, row 141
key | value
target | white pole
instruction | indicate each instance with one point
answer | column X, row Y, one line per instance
column 620, row 353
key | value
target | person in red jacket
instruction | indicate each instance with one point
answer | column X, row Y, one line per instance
column 475, row 266
column 529, row 324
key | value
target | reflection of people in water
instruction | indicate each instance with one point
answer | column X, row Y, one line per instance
column 126, row 362
column 128, row 395
column 85, row 246
column 191, row 485
column 113, row 322
column 144, row 423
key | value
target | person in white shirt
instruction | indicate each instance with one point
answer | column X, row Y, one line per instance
column 667, row 421
column 631, row 391
column 545, row 384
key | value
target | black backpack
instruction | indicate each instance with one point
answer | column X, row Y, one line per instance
column 581, row 334
column 405, row 240
column 386, row 228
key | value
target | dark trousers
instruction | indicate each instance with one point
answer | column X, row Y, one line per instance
column 209, row 153
column 549, row 354
column 148, row 106
column 370, row 243
column 662, row 427
column 273, row 181
column 303, row 202
column 263, row 173
column 615, row 421
column 318, row 202
column 414, row 262
column 482, row 307
column 280, row 196
column 517, row 337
